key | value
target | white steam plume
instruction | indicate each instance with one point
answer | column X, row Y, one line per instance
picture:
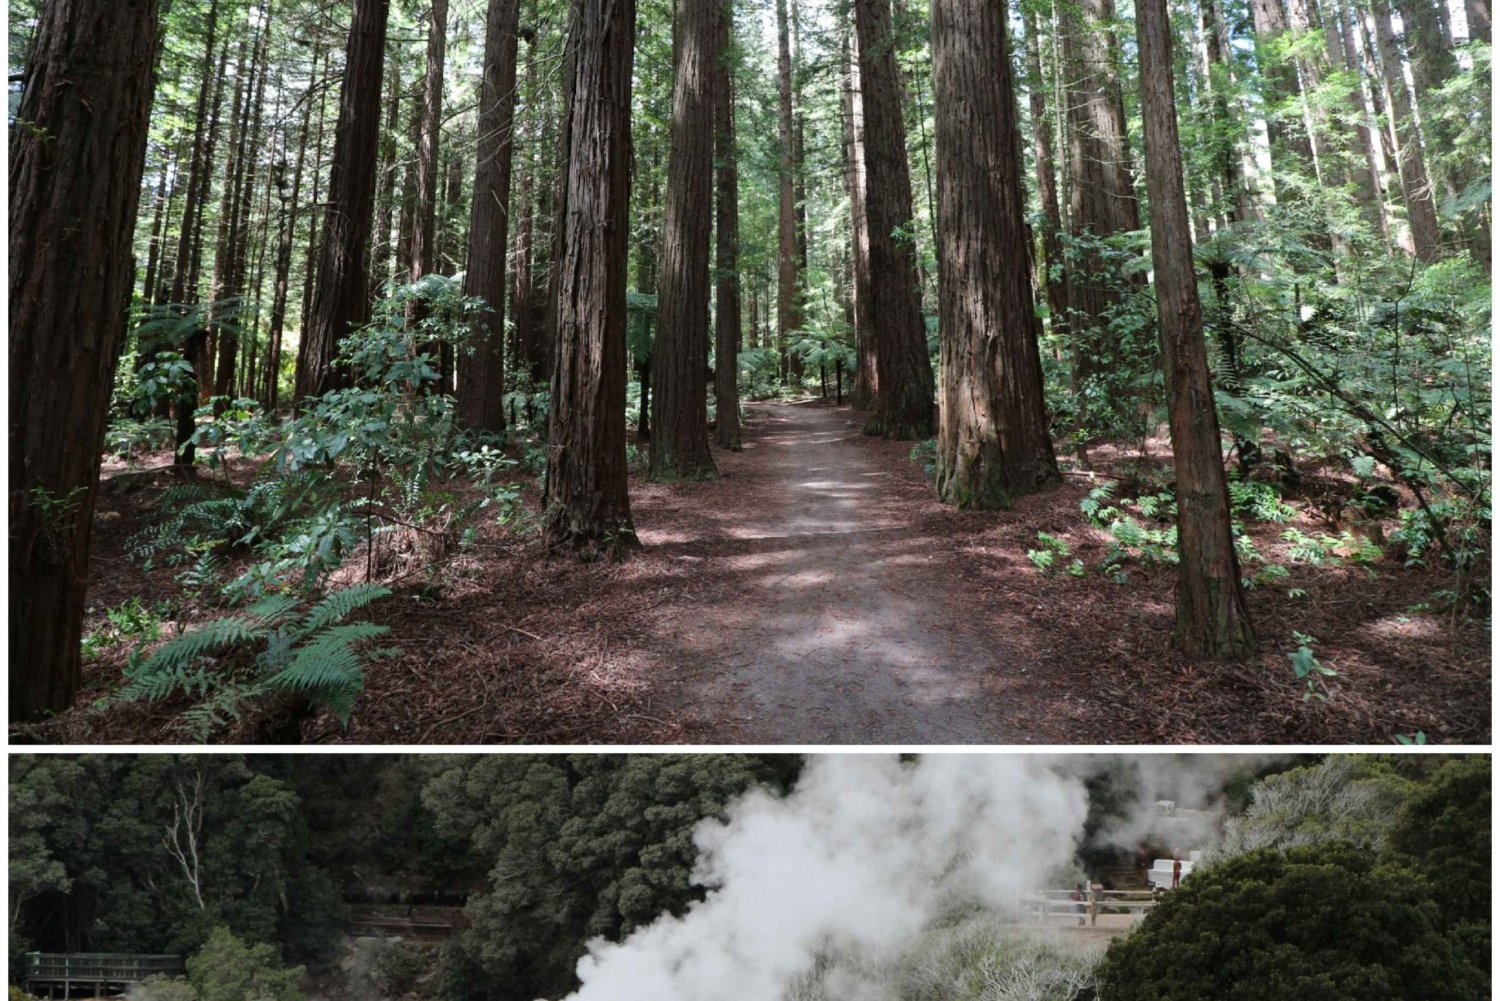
column 862, row 855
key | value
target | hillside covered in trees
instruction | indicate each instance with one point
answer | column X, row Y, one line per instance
column 767, row 370
column 766, row 877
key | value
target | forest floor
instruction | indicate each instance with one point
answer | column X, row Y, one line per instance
column 817, row 592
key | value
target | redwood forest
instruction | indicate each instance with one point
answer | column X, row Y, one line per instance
column 750, row 371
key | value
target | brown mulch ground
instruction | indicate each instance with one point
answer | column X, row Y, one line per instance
column 818, row 592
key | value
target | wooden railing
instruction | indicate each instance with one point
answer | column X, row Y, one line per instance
column 95, row 971
column 1046, row 903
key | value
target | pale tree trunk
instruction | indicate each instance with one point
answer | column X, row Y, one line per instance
column 1213, row 621
column 903, row 407
column 1421, row 212
column 90, row 75
column 1367, row 169
column 585, row 493
column 992, row 443
column 679, row 361
column 1279, row 76
column 481, row 374
column 182, row 836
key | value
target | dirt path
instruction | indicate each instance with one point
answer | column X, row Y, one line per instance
column 817, row 592
column 839, row 622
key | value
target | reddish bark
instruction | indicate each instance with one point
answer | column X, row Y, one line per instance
column 585, row 492
column 481, row 375
column 78, row 151
column 679, row 413
column 1213, row 621
column 341, row 298
column 992, row 443
column 904, row 405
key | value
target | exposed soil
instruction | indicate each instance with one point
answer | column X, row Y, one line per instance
column 817, row 592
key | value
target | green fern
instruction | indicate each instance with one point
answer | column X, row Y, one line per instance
column 337, row 606
column 310, row 651
column 329, row 661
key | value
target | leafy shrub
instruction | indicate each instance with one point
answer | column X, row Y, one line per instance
column 1332, row 923
column 229, row 969
column 399, row 965
column 1344, row 797
column 1443, row 830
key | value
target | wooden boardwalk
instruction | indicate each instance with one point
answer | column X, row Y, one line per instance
column 92, row 974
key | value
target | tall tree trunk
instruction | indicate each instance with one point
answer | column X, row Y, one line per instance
column 226, row 232
column 992, row 443
column 158, row 222
column 1054, row 272
column 385, row 199
column 862, row 393
column 679, row 361
column 1421, row 212
column 406, row 220
column 1213, row 620
column 290, row 208
column 76, row 161
column 1477, row 13
column 160, row 289
column 424, row 250
column 195, row 349
column 424, row 226
column 1101, row 194
column 903, row 407
column 1366, row 171
column 523, row 308
column 558, row 215
column 789, row 279
column 481, row 375
column 198, row 164
column 1429, row 46
column 240, row 245
column 310, row 272
column 341, row 298
column 585, row 493
column 727, row 336
column 799, row 167
column 1290, row 144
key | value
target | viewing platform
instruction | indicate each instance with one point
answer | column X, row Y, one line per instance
column 92, row 974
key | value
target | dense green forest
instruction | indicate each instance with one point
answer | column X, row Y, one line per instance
column 267, row 873
column 493, row 370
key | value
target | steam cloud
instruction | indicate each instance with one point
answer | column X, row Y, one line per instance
column 862, row 856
